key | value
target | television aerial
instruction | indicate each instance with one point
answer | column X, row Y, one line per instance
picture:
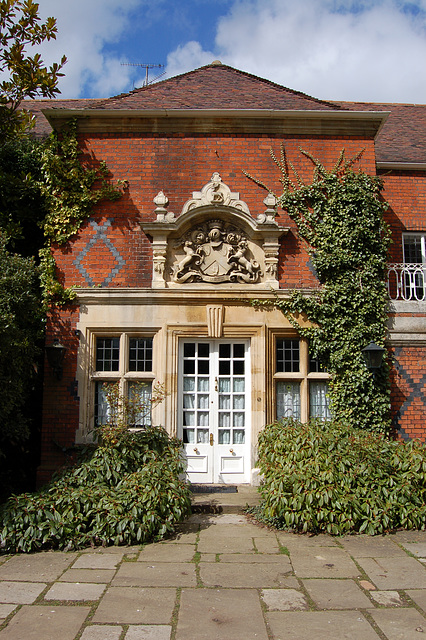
column 148, row 66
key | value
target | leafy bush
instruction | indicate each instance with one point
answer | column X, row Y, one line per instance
column 325, row 477
column 125, row 491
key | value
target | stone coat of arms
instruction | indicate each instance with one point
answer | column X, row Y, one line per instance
column 215, row 253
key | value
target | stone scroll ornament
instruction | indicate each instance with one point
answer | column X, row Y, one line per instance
column 215, row 253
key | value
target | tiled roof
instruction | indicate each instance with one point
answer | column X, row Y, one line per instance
column 216, row 86
column 403, row 136
column 42, row 127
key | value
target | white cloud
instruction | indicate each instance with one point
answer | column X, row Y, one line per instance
column 84, row 26
column 373, row 50
column 187, row 57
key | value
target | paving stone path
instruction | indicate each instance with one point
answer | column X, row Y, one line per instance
column 221, row 578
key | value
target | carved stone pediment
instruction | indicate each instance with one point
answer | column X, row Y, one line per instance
column 216, row 252
column 215, row 240
column 215, row 192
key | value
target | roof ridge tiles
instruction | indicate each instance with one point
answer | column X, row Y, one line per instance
column 150, row 89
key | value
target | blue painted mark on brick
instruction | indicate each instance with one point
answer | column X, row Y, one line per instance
column 100, row 236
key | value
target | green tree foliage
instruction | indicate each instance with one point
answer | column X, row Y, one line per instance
column 333, row 478
column 24, row 73
column 339, row 216
column 22, row 205
column 20, row 331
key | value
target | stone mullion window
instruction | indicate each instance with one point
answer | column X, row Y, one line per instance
column 124, row 358
column 298, row 381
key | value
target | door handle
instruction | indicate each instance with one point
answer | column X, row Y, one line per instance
column 216, row 388
column 211, row 439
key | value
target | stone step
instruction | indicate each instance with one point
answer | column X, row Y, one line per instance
column 223, row 498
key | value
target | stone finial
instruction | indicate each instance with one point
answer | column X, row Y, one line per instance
column 271, row 210
column 162, row 202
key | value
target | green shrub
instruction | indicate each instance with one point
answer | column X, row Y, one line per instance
column 124, row 491
column 325, row 477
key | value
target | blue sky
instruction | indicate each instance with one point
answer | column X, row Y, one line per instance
column 363, row 50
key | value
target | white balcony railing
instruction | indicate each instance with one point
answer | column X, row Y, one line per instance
column 407, row 281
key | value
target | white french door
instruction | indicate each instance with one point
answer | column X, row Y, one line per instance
column 214, row 410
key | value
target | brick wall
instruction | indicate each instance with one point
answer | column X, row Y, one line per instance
column 60, row 397
column 111, row 251
column 408, row 395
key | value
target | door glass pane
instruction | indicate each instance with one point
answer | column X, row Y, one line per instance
column 288, row 399
column 203, row 419
column 202, row 436
column 239, row 402
column 189, row 350
column 238, row 419
column 224, row 351
column 238, row 436
column 224, row 436
column 189, row 418
column 203, row 350
column 189, row 384
column 239, row 351
column 203, row 402
column 238, row 368
column 224, row 420
column 225, row 402
column 203, row 367
column 188, row 401
column 239, row 385
column 189, row 367
column 203, row 384
column 189, row 436
column 224, row 367
column 224, row 385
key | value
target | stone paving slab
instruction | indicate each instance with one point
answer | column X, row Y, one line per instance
column 6, row 610
column 98, row 561
column 243, row 575
column 220, row 614
column 254, row 558
column 320, row 625
column 102, row 632
column 387, row 598
column 40, row 567
column 167, row 553
column 394, row 573
column 102, row 576
column 294, row 540
column 226, row 544
column 400, row 624
column 75, row 591
column 148, row 632
column 37, row 622
column 336, row 594
column 284, row 600
column 134, row 605
column 418, row 596
column 20, row 592
column 418, row 549
column 323, row 562
column 371, row 547
column 266, row 545
column 161, row 574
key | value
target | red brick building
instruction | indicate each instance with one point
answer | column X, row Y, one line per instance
column 164, row 271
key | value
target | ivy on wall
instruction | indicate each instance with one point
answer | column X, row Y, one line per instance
column 339, row 216
column 71, row 189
